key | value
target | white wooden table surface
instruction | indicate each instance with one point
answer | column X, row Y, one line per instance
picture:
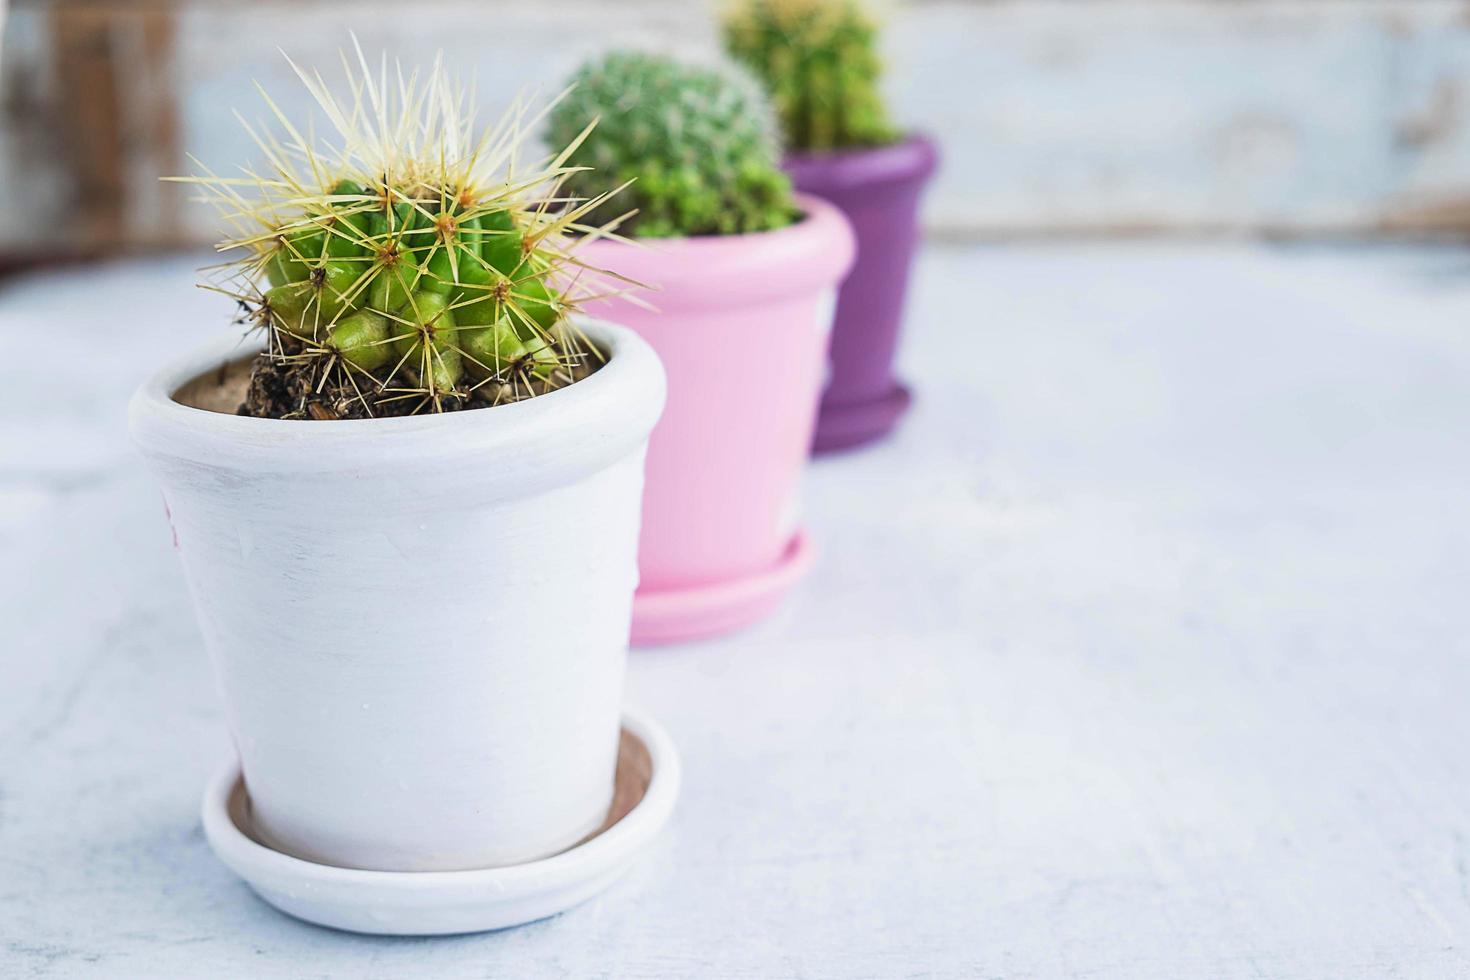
column 1141, row 652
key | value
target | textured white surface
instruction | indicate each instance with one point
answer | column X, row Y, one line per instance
column 1141, row 652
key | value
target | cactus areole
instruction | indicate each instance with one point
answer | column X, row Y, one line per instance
column 403, row 264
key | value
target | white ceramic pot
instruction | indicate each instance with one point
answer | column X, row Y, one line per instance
column 419, row 625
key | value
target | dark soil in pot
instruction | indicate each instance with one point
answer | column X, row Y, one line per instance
column 283, row 389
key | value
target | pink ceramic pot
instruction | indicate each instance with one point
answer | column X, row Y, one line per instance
column 742, row 327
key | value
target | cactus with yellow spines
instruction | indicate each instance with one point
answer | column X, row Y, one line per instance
column 404, row 265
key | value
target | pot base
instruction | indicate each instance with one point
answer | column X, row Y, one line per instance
column 842, row 427
column 426, row 903
column 709, row 610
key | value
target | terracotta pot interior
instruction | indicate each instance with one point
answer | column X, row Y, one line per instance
column 220, row 391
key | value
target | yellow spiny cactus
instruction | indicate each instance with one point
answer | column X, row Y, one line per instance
column 405, row 263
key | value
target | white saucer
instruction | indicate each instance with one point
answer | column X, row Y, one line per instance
column 423, row 903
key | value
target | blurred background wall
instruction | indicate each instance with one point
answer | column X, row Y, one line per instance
column 1279, row 117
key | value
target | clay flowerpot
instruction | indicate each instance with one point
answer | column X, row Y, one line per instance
column 742, row 323
column 878, row 189
column 419, row 625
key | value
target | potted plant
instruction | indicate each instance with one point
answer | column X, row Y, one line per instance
column 408, row 508
column 818, row 60
column 745, row 275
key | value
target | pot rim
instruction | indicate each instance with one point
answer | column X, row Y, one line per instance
column 913, row 158
column 735, row 270
column 608, row 413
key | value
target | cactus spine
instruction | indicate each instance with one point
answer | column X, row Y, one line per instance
column 402, row 267
column 819, row 60
column 699, row 144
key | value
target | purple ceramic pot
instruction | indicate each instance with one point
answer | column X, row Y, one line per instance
column 878, row 189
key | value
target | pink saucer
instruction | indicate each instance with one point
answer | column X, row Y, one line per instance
column 718, row 607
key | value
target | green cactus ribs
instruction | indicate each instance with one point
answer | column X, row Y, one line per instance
column 382, row 302
column 819, row 61
column 699, row 145
column 402, row 266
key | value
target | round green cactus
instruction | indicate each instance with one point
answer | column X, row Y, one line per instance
column 410, row 271
column 699, row 145
column 819, row 60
